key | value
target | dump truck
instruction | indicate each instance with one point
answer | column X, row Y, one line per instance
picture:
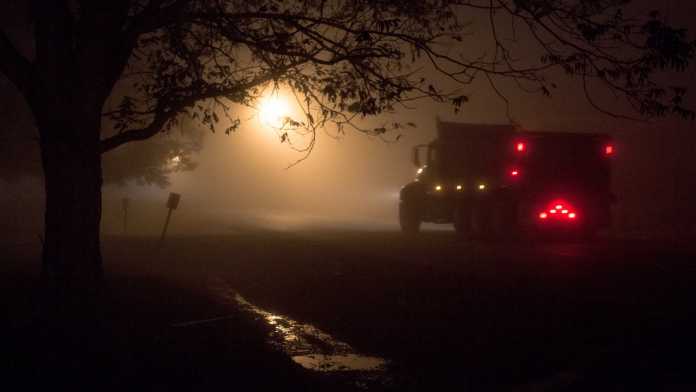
column 493, row 180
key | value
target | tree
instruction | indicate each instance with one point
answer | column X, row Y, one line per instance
column 167, row 60
column 144, row 163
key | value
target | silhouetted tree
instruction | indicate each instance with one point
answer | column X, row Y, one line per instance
column 165, row 60
column 143, row 163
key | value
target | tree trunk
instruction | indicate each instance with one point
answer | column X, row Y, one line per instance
column 73, row 179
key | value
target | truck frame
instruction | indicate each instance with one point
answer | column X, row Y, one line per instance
column 497, row 180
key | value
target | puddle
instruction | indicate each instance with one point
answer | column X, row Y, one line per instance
column 309, row 346
column 333, row 363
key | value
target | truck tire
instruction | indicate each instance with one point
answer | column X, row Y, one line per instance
column 503, row 217
column 462, row 220
column 480, row 220
column 409, row 218
column 492, row 219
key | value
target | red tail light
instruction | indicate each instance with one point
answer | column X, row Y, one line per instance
column 609, row 149
column 520, row 147
column 514, row 172
column 559, row 211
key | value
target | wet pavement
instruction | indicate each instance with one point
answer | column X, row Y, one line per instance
column 312, row 348
column 309, row 346
column 384, row 311
column 481, row 316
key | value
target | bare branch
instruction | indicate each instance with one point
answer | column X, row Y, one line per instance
column 347, row 60
column 167, row 111
column 15, row 66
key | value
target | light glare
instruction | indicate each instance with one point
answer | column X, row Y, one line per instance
column 273, row 110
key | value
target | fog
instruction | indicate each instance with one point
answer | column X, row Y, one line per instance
column 243, row 182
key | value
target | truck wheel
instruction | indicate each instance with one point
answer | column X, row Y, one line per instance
column 409, row 218
column 462, row 220
column 480, row 220
column 503, row 220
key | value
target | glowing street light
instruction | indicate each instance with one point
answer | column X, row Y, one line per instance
column 273, row 111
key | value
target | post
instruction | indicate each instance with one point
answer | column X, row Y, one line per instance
column 172, row 203
column 166, row 225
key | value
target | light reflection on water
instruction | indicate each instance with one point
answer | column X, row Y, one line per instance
column 341, row 362
column 307, row 345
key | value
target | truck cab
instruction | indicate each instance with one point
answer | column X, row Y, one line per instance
column 497, row 180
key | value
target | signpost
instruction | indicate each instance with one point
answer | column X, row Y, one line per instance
column 172, row 204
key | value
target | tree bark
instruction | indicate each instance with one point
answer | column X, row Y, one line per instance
column 71, row 257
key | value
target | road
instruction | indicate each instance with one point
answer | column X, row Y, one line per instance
column 520, row 315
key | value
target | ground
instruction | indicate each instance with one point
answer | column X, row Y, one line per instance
column 520, row 315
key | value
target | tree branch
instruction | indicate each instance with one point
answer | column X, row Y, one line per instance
column 164, row 115
column 15, row 66
column 155, row 126
column 154, row 16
